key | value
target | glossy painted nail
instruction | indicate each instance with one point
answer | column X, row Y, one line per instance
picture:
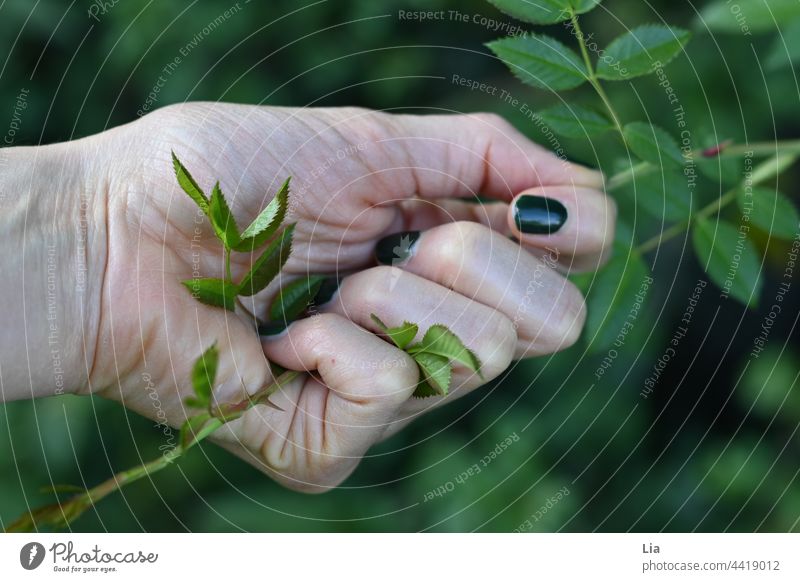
column 539, row 215
column 396, row 248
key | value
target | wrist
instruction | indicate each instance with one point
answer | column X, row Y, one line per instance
column 53, row 222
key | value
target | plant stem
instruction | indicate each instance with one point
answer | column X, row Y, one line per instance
column 769, row 169
column 62, row 514
column 592, row 76
column 228, row 272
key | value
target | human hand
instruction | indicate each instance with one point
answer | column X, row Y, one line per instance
column 357, row 177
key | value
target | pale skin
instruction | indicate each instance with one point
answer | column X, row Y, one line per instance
column 99, row 237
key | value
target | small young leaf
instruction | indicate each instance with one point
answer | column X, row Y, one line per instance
column 613, row 293
column 749, row 16
column 293, row 298
column 544, row 11
column 191, row 428
column 664, row 195
column 222, row 219
column 436, row 370
column 770, row 211
column 204, row 374
column 424, row 390
column 729, row 258
column 214, row 292
column 652, row 144
column 575, row 121
column 541, row 61
column 401, row 335
column 269, row 264
column 641, row 51
column 440, row 341
column 188, row 184
column 267, row 222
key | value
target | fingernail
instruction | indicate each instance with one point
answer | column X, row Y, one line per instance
column 396, row 248
column 327, row 290
column 539, row 215
column 272, row 328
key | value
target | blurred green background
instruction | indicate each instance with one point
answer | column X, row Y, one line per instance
column 714, row 447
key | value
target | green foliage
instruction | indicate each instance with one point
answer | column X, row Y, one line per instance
column 293, row 298
column 213, row 292
column 770, row 210
column 267, row 222
column 188, row 184
column 664, row 195
column 204, row 374
column 544, row 11
column 222, row 219
column 753, row 16
column 785, row 50
column 575, row 121
column 641, row 51
column 541, row 61
column 652, row 144
column 269, row 264
column 729, row 258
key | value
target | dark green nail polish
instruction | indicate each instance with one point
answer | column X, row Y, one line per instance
column 272, row 328
column 539, row 215
column 327, row 290
column 396, row 248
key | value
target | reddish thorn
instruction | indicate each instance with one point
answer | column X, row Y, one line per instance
column 713, row 152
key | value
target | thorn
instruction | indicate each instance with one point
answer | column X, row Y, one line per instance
column 713, row 152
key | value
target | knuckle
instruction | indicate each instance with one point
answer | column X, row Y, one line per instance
column 501, row 341
column 571, row 310
column 454, row 244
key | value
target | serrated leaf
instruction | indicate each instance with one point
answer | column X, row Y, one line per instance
column 652, row 144
column 541, row 61
column 222, row 219
column 575, row 121
column 664, row 195
column 770, row 211
column 214, row 292
column 188, row 184
column 641, row 51
column 440, row 341
column 424, row 390
column 544, row 11
column 293, row 298
column 613, row 293
column 749, row 16
column 267, row 222
column 785, row 50
column 729, row 258
column 269, row 264
column 204, row 374
column 401, row 335
column 436, row 371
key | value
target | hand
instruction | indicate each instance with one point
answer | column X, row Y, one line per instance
column 357, row 176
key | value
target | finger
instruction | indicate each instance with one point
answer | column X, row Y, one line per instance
column 396, row 296
column 454, row 156
column 578, row 223
column 545, row 308
column 420, row 214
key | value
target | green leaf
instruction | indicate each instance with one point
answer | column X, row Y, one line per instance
column 267, row 222
column 424, row 390
column 269, row 264
column 729, row 258
column 440, row 341
column 188, row 184
column 664, row 195
column 541, row 61
column 785, row 50
column 641, row 51
column 222, row 219
column 191, row 429
column 436, row 371
column 575, row 121
column 204, row 374
column 214, row 292
column 614, row 293
column 748, row 16
column 770, row 211
column 293, row 298
column 544, row 11
column 652, row 144
column 401, row 335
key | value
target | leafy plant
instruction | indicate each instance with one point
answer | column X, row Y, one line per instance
column 655, row 166
column 435, row 353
